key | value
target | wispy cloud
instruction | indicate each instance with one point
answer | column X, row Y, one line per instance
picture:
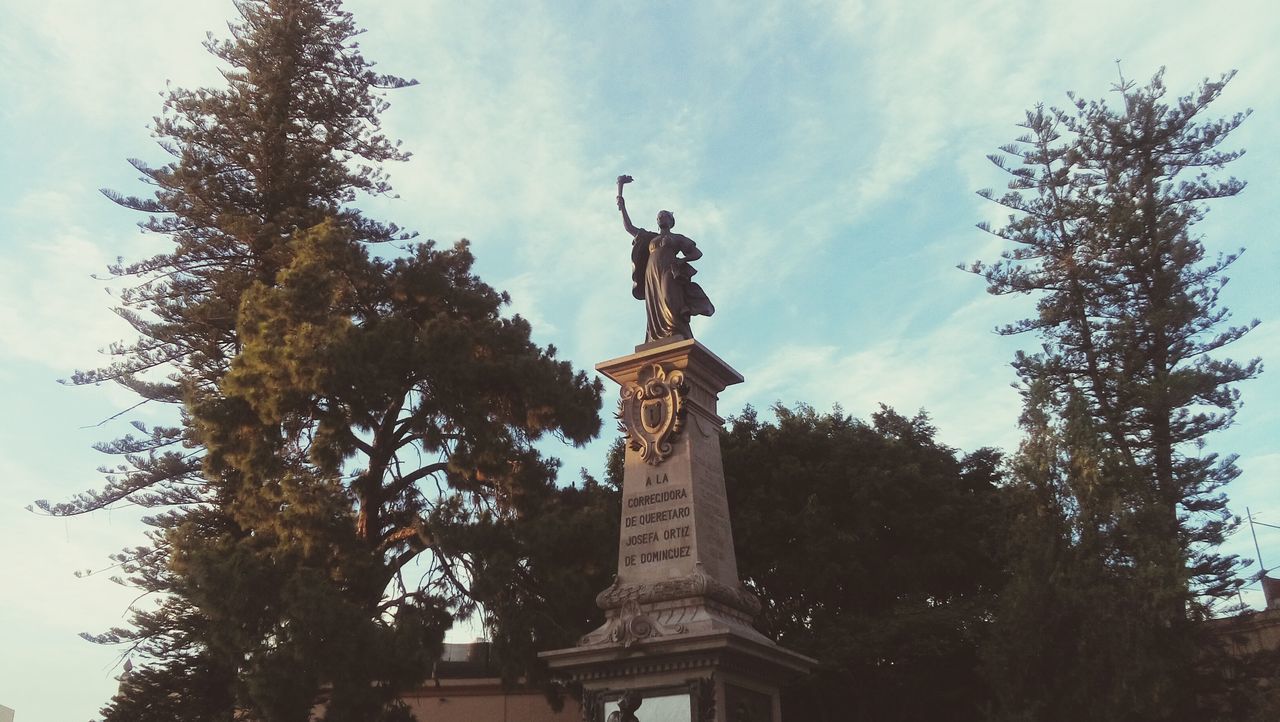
column 941, row 372
column 66, row 59
column 50, row 300
column 823, row 155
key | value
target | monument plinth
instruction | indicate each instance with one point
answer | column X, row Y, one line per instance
column 675, row 548
column 677, row 629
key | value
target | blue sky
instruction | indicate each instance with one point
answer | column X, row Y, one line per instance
column 824, row 155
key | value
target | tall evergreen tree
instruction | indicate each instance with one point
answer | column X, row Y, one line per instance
column 1123, row 510
column 351, row 425
column 286, row 145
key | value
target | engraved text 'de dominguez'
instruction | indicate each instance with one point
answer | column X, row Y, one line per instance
column 651, row 412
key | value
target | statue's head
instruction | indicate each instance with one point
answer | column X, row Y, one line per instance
column 666, row 220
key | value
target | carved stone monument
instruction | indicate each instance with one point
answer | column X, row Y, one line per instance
column 677, row 642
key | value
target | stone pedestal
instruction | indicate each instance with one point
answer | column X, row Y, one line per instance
column 677, row 619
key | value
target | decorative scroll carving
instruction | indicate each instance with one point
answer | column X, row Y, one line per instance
column 651, row 411
column 633, row 626
column 696, row 584
column 630, row 625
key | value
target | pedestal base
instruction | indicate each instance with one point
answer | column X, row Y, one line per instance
column 722, row 676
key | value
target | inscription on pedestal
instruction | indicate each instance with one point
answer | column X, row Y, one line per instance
column 657, row 523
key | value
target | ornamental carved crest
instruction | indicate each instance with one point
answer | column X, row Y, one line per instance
column 651, row 411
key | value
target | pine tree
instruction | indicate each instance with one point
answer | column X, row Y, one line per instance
column 350, row 424
column 1123, row 509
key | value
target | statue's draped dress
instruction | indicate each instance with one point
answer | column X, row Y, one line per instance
column 663, row 281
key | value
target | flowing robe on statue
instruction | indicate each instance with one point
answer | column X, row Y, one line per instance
column 664, row 282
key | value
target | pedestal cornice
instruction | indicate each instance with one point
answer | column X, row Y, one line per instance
column 708, row 372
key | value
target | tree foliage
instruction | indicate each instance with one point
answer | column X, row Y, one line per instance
column 1121, row 509
column 873, row 549
column 356, row 433
column 539, row 580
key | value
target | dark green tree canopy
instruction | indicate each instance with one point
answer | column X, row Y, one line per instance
column 873, row 548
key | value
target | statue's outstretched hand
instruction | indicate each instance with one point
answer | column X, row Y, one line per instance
column 622, row 180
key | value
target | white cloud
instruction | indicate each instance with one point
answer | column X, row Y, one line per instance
column 942, row 372
column 86, row 59
column 49, row 300
column 45, row 607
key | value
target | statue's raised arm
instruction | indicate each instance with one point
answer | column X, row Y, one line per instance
column 622, row 206
column 661, row 275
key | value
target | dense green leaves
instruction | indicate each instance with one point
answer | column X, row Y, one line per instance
column 873, row 549
column 544, row 568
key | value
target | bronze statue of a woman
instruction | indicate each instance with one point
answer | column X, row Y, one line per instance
column 662, row 277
